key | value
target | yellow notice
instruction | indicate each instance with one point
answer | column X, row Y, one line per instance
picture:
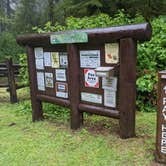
column 55, row 59
column 112, row 53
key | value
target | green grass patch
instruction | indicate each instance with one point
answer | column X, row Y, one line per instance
column 51, row 142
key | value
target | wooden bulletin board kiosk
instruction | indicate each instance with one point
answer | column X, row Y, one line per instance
column 91, row 70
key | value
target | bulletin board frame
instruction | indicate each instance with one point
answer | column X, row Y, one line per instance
column 125, row 69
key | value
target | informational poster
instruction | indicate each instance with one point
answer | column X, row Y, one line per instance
column 40, row 81
column 109, row 98
column 55, row 59
column 90, row 59
column 38, row 52
column 91, row 80
column 49, row 80
column 63, row 59
column 109, row 82
column 60, row 74
column 112, row 53
column 39, row 64
column 61, row 89
column 91, row 97
column 47, row 59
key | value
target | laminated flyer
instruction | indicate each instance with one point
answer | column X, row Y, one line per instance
column 40, row 81
column 60, row 74
column 61, row 89
column 90, row 59
column 55, row 59
column 63, row 59
column 91, row 97
column 109, row 82
column 39, row 64
column 109, row 98
column 112, row 53
column 47, row 59
column 49, row 80
column 38, row 52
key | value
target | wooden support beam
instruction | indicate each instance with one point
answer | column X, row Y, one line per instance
column 37, row 113
column 74, row 82
column 99, row 110
column 54, row 100
column 127, row 87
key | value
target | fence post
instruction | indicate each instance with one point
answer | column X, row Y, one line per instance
column 11, row 81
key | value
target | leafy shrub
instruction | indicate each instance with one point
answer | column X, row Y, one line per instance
column 24, row 69
column 9, row 47
column 151, row 55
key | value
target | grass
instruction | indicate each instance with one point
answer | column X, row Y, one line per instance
column 51, row 142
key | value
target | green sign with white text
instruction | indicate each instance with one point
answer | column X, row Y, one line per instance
column 77, row 37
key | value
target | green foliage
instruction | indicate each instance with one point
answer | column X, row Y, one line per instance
column 24, row 69
column 9, row 47
column 56, row 112
column 151, row 55
column 151, row 59
column 101, row 20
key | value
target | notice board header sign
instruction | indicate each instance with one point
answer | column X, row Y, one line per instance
column 74, row 37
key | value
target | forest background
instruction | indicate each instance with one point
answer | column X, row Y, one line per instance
column 28, row 16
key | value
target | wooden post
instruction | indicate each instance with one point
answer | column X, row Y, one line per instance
column 37, row 113
column 74, row 89
column 11, row 81
column 127, row 87
column 161, row 119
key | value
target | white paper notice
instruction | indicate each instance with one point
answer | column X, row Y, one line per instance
column 39, row 64
column 38, row 52
column 63, row 59
column 109, row 98
column 40, row 81
column 47, row 59
column 91, row 97
column 90, row 59
column 60, row 74
column 109, row 82
column 49, row 80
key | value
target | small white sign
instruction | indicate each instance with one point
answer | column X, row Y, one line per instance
column 109, row 82
column 49, row 80
column 47, row 59
column 63, row 59
column 38, row 52
column 61, row 89
column 91, row 97
column 60, row 74
column 39, row 64
column 40, row 81
column 163, row 76
column 90, row 59
column 91, row 80
column 109, row 98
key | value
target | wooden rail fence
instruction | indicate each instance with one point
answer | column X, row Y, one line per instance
column 11, row 72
